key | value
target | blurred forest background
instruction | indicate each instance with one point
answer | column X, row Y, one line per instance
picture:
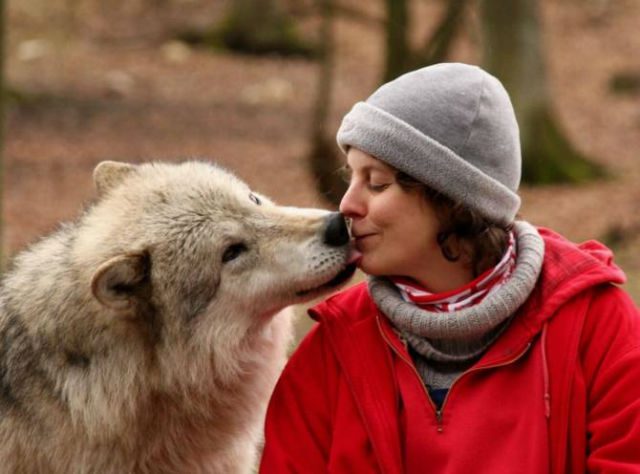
column 260, row 86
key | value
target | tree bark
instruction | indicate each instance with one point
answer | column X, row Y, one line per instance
column 437, row 47
column 400, row 56
column 512, row 48
column 2, row 125
column 398, row 53
column 323, row 156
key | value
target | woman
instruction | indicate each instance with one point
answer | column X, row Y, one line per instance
column 479, row 343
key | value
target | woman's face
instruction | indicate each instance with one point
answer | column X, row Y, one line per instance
column 395, row 229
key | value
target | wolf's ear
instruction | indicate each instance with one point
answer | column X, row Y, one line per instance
column 121, row 280
column 110, row 173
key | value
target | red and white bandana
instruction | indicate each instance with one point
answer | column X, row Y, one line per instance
column 468, row 295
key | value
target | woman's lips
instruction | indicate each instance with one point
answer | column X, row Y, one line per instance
column 360, row 240
column 362, row 236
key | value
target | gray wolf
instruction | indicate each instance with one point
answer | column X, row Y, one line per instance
column 144, row 337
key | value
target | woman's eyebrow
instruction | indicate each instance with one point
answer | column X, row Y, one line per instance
column 369, row 168
column 379, row 168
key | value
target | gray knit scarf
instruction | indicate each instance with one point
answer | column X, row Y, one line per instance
column 443, row 345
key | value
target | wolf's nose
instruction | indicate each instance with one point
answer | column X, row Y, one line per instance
column 336, row 233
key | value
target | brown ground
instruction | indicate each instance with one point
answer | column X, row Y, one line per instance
column 106, row 83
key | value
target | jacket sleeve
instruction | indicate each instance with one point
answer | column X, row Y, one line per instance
column 298, row 422
column 611, row 365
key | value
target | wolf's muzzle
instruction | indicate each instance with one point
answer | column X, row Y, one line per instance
column 336, row 233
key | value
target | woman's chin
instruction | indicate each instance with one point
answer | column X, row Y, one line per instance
column 376, row 267
column 362, row 266
column 370, row 268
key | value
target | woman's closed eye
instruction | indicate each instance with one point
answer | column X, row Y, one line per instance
column 378, row 181
column 377, row 186
column 375, row 180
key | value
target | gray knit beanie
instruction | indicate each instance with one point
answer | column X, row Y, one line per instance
column 450, row 126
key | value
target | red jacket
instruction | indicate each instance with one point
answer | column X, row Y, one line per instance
column 558, row 392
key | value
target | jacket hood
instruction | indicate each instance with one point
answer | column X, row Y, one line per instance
column 568, row 269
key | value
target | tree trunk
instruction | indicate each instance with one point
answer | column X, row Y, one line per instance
column 400, row 56
column 2, row 115
column 437, row 48
column 513, row 53
column 323, row 157
column 398, row 53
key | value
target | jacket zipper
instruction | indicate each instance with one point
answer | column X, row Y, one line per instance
column 439, row 411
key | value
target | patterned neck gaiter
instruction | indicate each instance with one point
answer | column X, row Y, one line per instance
column 468, row 295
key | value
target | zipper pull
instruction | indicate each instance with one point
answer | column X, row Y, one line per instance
column 440, row 428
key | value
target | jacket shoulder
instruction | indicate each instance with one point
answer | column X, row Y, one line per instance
column 612, row 325
column 350, row 305
column 610, row 320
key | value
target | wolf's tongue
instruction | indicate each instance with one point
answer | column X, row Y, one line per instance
column 354, row 256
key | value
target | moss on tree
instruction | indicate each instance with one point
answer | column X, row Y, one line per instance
column 549, row 157
column 256, row 27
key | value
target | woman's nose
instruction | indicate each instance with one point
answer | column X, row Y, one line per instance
column 352, row 205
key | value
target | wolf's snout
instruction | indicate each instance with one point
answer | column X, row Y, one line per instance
column 336, row 233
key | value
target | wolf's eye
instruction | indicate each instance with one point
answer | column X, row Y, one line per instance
column 233, row 251
column 255, row 199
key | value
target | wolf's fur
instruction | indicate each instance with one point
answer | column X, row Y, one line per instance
column 128, row 343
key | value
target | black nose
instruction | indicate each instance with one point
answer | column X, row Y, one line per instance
column 336, row 233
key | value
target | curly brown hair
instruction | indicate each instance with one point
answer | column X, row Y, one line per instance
column 464, row 233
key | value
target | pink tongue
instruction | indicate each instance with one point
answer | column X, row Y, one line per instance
column 354, row 256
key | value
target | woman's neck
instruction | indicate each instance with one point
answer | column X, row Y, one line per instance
column 441, row 275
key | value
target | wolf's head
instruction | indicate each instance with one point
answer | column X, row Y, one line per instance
column 192, row 250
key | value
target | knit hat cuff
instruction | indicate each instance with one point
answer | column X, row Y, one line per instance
column 402, row 146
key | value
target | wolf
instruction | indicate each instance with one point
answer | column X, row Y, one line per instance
column 144, row 337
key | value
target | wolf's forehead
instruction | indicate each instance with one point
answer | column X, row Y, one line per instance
column 191, row 181
column 188, row 192
column 200, row 175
